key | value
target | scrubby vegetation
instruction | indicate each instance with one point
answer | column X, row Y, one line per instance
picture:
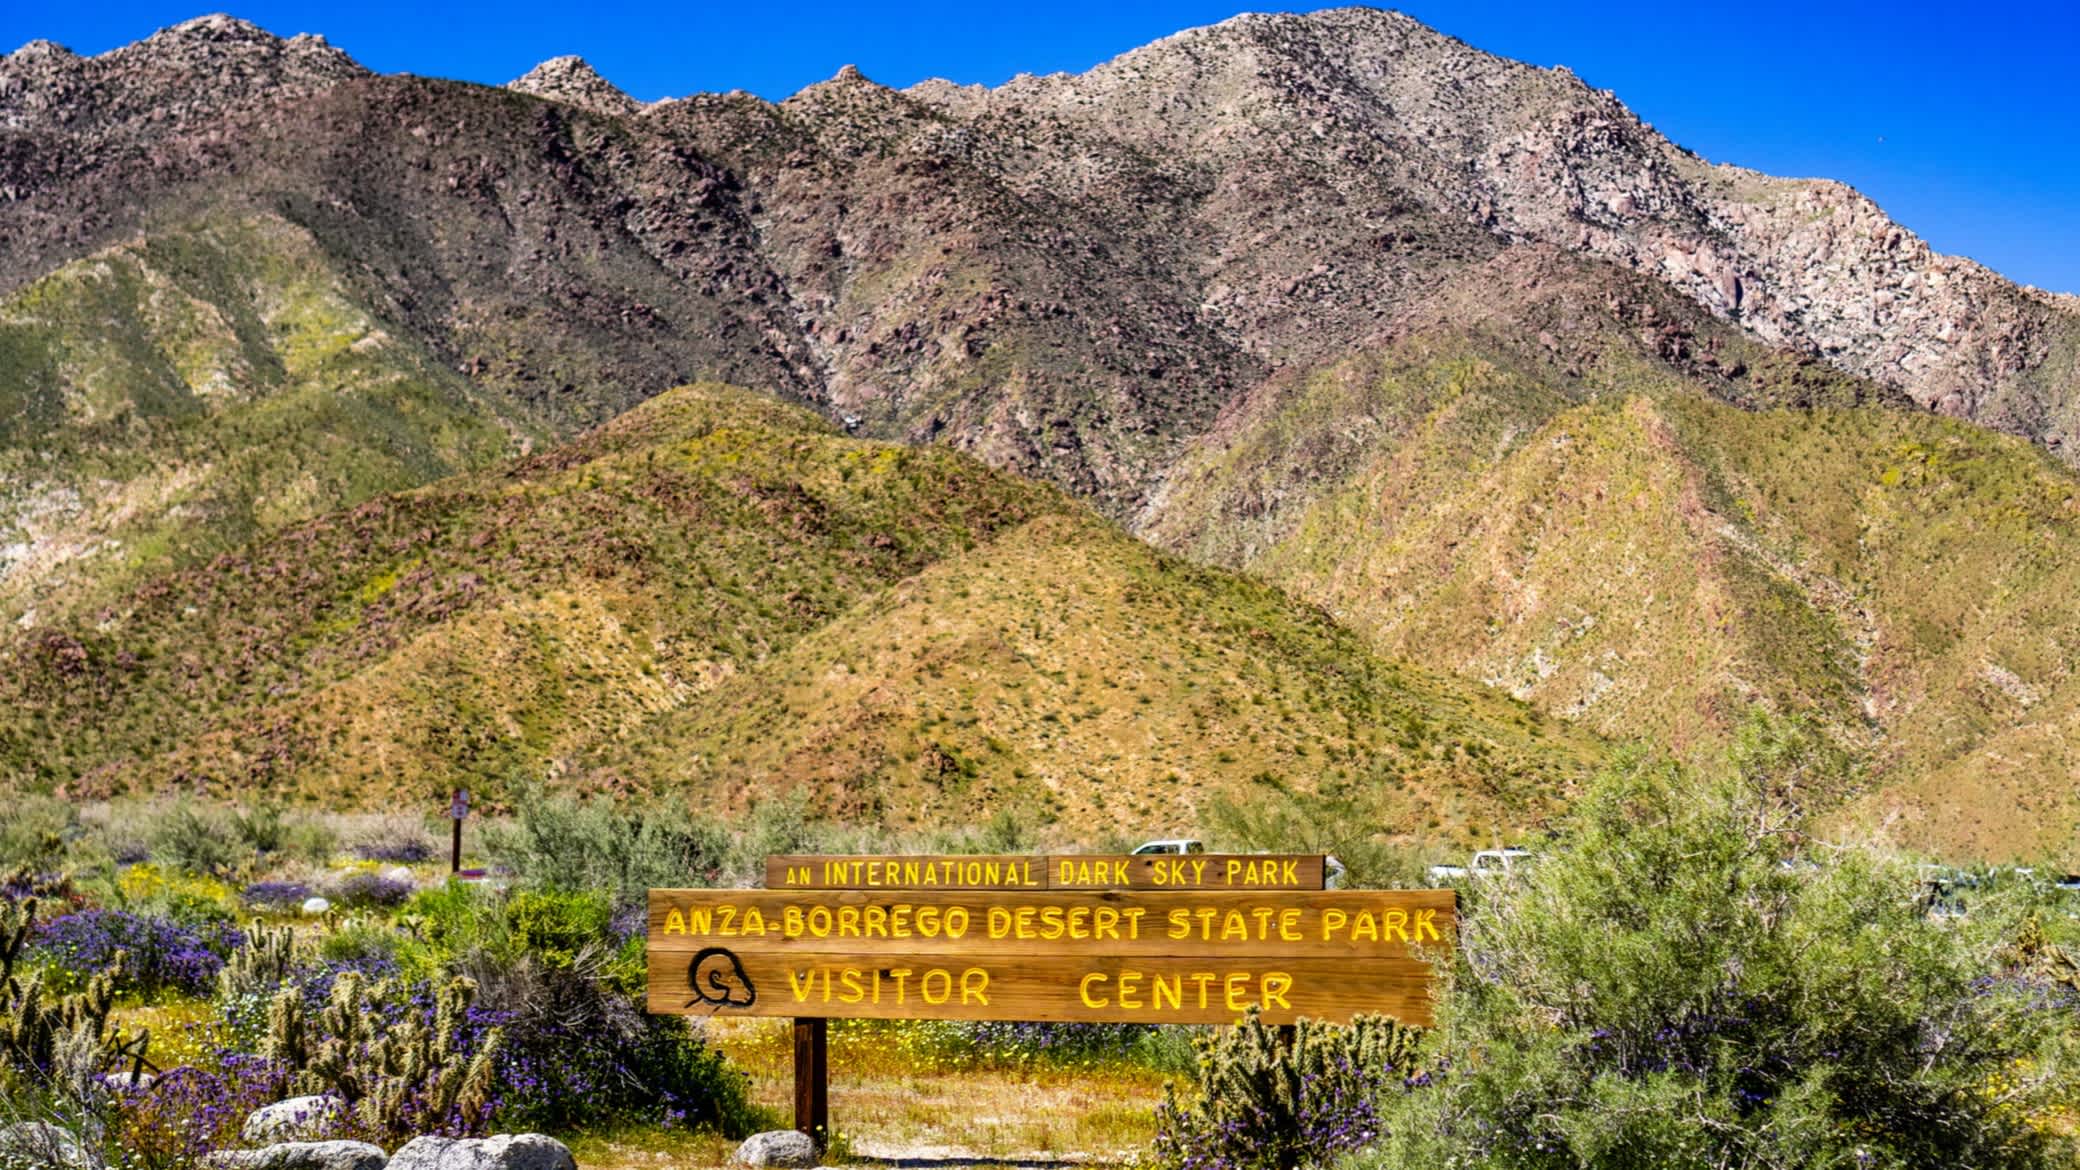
column 1687, row 976
column 716, row 594
column 1688, row 979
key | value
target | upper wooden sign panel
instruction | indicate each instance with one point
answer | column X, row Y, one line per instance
column 1160, row 871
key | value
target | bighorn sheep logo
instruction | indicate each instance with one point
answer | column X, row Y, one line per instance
column 717, row 977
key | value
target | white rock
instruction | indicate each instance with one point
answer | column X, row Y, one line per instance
column 301, row 1156
column 527, row 1151
column 400, row 873
column 778, row 1147
column 298, row 1119
column 315, row 906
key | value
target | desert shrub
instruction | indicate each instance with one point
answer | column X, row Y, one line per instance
column 579, row 1051
column 197, row 839
column 1275, row 819
column 1267, row 1100
column 397, row 839
column 559, row 927
column 35, row 832
column 309, row 840
column 559, row 843
column 158, row 953
column 124, row 831
column 261, row 828
column 362, row 890
column 777, row 824
column 1689, row 983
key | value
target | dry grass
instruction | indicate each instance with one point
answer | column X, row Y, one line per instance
column 894, row 1097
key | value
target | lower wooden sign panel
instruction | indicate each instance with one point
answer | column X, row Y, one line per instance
column 1115, row 989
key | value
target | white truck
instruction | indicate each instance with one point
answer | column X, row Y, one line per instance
column 1485, row 864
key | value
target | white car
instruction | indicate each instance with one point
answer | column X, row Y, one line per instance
column 1171, row 845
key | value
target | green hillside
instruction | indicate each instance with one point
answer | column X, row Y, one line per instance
column 719, row 595
column 176, row 396
column 1626, row 552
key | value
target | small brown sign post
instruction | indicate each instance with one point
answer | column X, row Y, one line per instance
column 1178, row 939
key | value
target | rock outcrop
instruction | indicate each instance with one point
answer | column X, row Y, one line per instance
column 574, row 83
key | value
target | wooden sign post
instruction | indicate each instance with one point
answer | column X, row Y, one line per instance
column 1164, row 939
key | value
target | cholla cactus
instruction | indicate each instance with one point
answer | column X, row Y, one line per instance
column 64, row 1036
column 263, row 964
column 1284, row 1097
column 388, row 1077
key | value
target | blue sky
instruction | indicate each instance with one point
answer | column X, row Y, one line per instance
column 1962, row 120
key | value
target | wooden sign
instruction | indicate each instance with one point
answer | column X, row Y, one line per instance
column 1128, row 954
column 1066, row 871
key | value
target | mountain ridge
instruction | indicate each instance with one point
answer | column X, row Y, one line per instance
column 1456, row 351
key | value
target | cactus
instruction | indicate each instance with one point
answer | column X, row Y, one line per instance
column 388, row 1077
column 65, row 1036
column 262, row 964
column 1283, row 1097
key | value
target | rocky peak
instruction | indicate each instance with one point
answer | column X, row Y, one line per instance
column 41, row 51
column 573, row 82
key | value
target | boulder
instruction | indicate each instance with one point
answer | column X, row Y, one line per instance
column 301, row 1156
column 778, row 1147
column 315, row 906
column 298, row 1119
column 39, row 1145
column 526, row 1151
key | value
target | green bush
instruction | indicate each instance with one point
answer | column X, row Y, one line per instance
column 1277, row 820
column 35, row 832
column 197, row 839
column 1688, row 982
column 557, row 926
column 564, row 844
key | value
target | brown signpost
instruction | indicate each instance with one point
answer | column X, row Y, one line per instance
column 1040, row 938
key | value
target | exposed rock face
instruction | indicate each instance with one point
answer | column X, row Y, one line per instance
column 574, row 83
column 1071, row 275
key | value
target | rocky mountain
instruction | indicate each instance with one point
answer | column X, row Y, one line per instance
column 1456, row 348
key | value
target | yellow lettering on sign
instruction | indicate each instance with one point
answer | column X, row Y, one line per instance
column 1083, row 990
column 1396, row 924
column 1276, row 984
column 1130, row 989
column 1426, row 925
column 675, row 923
column 974, row 983
column 1171, row 988
column 1234, row 985
column 924, row 986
